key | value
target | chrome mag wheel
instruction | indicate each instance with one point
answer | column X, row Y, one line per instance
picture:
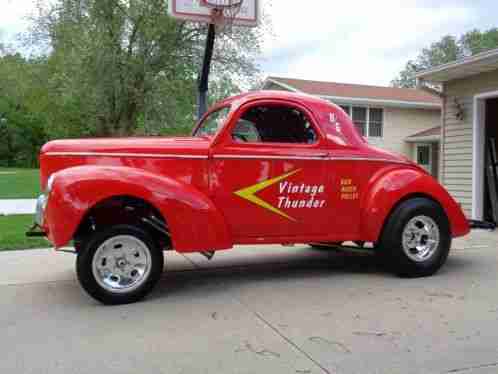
column 421, row 238
column 122, row 264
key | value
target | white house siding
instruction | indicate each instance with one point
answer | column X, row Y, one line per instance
column 458, row 134
column 400, row 123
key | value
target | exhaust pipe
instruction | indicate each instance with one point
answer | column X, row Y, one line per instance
column 482, row 225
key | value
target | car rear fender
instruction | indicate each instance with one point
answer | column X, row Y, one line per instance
column 193, row 220
column 393, row 185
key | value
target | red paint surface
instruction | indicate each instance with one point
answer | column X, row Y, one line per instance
column 192, row 182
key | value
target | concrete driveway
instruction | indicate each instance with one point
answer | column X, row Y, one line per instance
column 257, row 310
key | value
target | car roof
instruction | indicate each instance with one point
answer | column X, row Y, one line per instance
column 271, row 94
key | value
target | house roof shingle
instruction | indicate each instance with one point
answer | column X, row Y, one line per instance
column 332, row 89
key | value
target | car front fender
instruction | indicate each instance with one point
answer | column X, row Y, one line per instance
column 193, row 220
column 392, row 186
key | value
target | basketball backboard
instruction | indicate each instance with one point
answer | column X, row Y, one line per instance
column 195, row 11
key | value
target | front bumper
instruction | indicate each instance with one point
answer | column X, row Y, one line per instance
column 37, row 229
column 41, row 205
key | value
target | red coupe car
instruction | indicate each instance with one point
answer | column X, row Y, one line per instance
column 260, row 168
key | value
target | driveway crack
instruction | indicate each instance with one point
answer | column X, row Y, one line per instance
column 483, row 366
column 285, row 338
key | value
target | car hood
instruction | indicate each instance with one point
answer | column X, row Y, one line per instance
column 393, row 156
column 181, row 146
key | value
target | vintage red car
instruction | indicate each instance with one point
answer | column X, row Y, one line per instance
column 260, row 168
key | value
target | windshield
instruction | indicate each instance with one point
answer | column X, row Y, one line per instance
column 213, row 123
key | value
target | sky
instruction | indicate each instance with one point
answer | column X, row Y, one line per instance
column 352, row 41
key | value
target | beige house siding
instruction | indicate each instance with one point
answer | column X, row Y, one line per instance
column 400, row 124
column 457, row 142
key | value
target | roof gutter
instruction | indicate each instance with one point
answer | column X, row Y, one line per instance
column 456, row 64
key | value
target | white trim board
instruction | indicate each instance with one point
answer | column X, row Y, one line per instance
column 479, row 152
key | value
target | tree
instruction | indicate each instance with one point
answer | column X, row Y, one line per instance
column 21, row 122
column 119, row 67
column 448, row 49
column 442, row 52
column 475, row 41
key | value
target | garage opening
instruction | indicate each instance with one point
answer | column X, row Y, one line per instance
column 491, row 173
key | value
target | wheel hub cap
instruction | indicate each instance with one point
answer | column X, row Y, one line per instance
column 121, row 264
column 421, row 238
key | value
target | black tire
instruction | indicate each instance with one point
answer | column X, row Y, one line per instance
column 148, row 249
column 401, row 260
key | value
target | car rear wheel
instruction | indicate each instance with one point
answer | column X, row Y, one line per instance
column 416, row 239
column 119, row 265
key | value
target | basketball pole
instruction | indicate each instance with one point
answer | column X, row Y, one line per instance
column 206, row 69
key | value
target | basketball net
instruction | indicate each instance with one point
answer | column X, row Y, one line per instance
column 223, row 13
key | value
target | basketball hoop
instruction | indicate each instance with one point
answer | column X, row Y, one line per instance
column 223, row 12
column 243, row 13
column 221, row 16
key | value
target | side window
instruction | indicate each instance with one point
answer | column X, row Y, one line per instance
column 213, row 123
column 274, row 124
column 246, row 131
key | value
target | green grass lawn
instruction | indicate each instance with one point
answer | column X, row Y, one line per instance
column 19, row 183
column 13, row 233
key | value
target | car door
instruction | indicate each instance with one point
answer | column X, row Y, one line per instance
column 268, row 181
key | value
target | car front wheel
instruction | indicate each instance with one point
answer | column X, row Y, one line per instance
column 417, row 238
column 119, row 265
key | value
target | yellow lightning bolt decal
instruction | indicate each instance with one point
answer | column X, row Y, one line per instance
column 249, row 194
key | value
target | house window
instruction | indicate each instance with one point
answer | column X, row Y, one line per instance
column 375, row 118
column 424, row 155
column 360, row 119
column 368, row 121
column 347, row 109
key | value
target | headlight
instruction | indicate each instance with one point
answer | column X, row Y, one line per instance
column 50, row 183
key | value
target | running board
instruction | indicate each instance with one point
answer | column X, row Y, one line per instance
column 348, row 248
